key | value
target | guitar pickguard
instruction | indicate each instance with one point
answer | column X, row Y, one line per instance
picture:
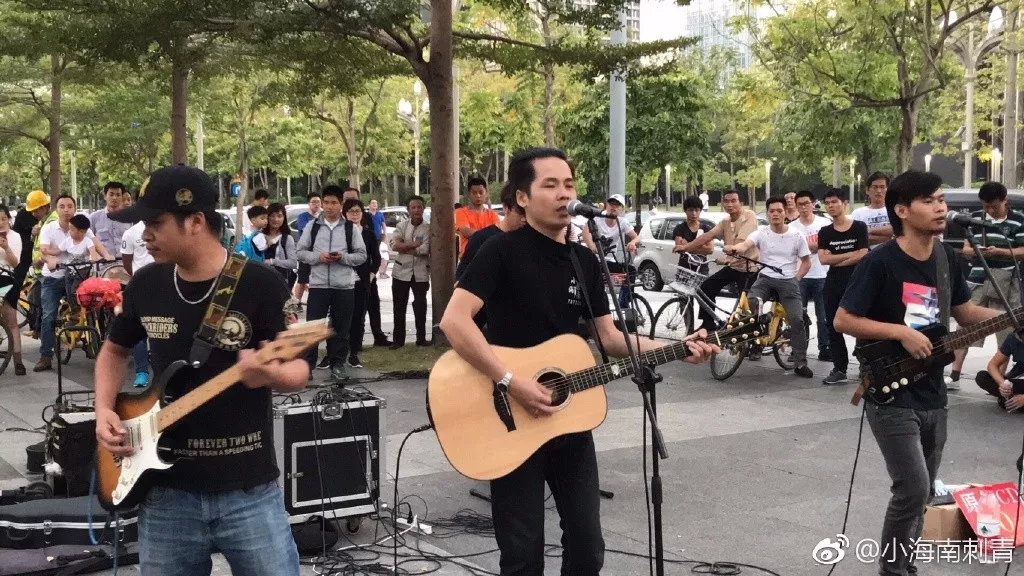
column 142, row 435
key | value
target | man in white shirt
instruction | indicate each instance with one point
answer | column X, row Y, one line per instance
column 874, row 214
column 812, row 287
column 51, row 237
column 109, row 231
column 135, row 256
column 260, row 198
column 785, row 250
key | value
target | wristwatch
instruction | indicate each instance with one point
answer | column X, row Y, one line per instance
column 504, row 382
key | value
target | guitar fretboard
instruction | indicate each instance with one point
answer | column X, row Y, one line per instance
column 969, row 334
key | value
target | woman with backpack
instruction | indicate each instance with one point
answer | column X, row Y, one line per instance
column 280, row 252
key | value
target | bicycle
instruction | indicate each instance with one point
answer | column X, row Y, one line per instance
column 774, row 326
column 77, row 324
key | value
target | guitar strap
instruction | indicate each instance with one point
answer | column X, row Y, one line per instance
column 580, row 278
column 217, row 310
column 942, row 271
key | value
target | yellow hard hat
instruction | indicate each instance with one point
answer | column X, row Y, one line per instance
column 36, row 199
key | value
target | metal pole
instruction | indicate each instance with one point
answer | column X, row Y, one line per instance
column 1009, row 159
column 668, row 186
column 852, row 179
column 617, row 116
column 968, row 144
column 74, row 175
column 201, row 145
column 416, row 147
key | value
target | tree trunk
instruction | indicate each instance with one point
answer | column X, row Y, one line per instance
column 53, row 140
column 1010, row 101
column 243, row 171
column 179, row 101
column 905, row 145
column 638, row 223
column 442, row 163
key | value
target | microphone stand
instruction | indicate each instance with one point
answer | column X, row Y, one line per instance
column 999, row 291
column 645, row 378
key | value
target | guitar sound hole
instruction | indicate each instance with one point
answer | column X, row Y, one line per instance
column 560, row 394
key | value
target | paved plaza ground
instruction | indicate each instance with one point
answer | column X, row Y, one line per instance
column 758, row 466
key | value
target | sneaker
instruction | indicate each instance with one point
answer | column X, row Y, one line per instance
column 325, row 363
column 952, row 384
column 396, row 346
column 354, row 362
column 803, row 372
column 424, row 343
column 835, row 378
column 19, row 369
column 141, row 379
column 825, row 355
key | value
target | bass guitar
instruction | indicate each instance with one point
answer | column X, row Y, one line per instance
column 122, row 481
column 486, row 434
column 888, row 368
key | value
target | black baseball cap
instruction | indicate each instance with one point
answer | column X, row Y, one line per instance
column 182, row 189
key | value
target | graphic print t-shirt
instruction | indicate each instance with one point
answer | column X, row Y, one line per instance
column 873, row 217
column 854, row 238
column 227, row 443
column 527, row 283
column 890, row 286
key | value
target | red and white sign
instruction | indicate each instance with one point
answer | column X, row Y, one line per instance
column 970, row 501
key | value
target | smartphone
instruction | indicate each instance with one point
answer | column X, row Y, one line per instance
column 335, row 254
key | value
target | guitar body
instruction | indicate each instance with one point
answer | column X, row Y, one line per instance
column 889, row 368
column 461, row 406
column 123, row 482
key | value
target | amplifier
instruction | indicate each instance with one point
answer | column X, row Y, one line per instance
column 330, row 452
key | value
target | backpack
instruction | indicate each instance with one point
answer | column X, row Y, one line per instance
column 248, row 248
column 316, row 229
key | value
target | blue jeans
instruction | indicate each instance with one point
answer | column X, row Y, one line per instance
column 179, row 530
column 140, row 354
column 53, row 290
column 814, row 289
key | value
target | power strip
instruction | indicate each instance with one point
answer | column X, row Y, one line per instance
column 416, row 525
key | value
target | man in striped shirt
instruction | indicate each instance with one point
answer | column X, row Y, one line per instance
column 1000, row 248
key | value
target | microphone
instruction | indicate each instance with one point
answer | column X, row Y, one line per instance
column 966, row 221
column 577, row 208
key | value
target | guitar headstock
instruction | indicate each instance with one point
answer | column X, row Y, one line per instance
column 739, row 328
column 291, row 343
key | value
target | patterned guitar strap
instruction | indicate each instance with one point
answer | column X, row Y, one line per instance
column 217, row 310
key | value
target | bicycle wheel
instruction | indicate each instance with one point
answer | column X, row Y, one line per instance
column 90, row 342
column 782, row 348
column 645, row 316
column 6, row 347
column 727, row 362
column 674, row 320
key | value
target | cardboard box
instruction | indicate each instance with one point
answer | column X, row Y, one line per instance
column 945, row 522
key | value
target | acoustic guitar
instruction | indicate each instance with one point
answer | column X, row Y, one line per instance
column 122, row 481
column 485, row 434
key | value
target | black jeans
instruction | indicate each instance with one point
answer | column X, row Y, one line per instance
column 400, row 294
column 985, row 381
column 713, row 286
column 355, row 335
column 569, row 466
column 373, row 307
column 837, row 343
column 911, row 443
column 339, row 304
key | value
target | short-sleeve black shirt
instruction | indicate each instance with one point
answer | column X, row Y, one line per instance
column 529, row 289
column 683, row 230
column 890, row 286
column 227, row 443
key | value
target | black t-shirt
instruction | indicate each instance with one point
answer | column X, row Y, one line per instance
column 527, row 283
column 690, row 235
column 890, row 286
column 227, row 443
column 855, row 238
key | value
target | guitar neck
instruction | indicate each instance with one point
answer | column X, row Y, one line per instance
column 969, row 334
column 175, row 411
column 605, row 373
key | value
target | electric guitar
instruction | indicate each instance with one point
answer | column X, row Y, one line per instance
column 486, row 434
column 888, row 368
column 122, row 481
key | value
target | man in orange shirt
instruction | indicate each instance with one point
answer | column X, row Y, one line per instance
column 476, row 215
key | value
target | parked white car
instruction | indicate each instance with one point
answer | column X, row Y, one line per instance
column 656, row 263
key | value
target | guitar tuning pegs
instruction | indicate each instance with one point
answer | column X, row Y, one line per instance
column 895, row 385
column 903, row 381
column 756, row 333
column 732, row 341
column 728, row 326
column 885, row 389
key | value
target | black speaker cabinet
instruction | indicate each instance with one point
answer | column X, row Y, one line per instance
column 331, row 453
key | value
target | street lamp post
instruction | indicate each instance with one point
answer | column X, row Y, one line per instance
column 970, row 55
column 853, row 166
column 927, row 162
column 410, row 113
column 668, row 185
column 767, row 180
column 996, row 164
